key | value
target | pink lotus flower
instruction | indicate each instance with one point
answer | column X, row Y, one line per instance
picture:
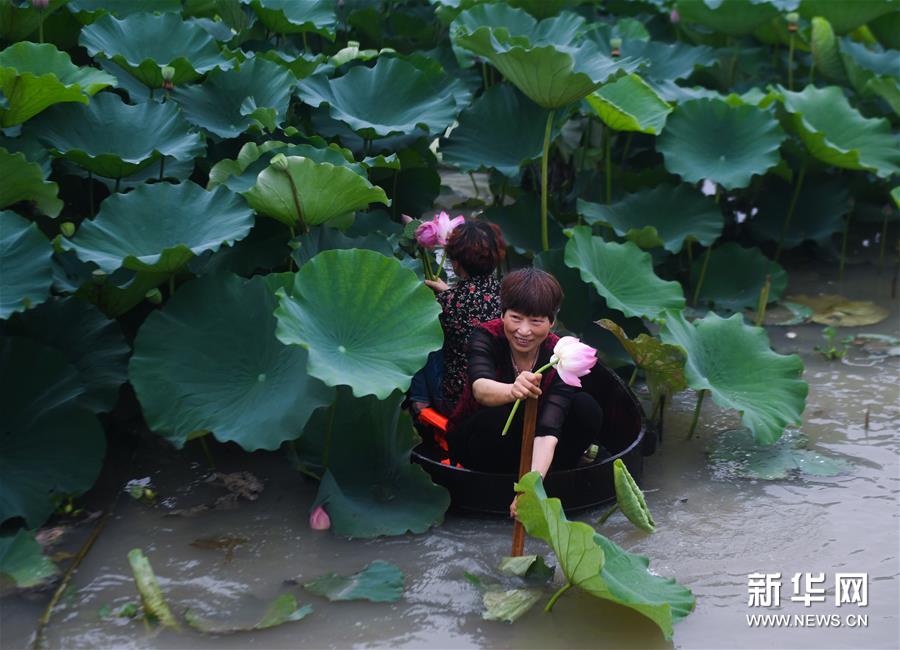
column 437, row 231
column 319, row 519
column 674, row 16
column 427, row 234
column 573, row 359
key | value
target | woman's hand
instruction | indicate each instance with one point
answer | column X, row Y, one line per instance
column 437, row 285
column 512, row 507
column 527, row 384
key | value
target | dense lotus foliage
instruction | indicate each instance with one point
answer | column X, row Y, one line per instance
column 200, row 210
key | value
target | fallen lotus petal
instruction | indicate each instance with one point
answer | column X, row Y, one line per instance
column 319, row 519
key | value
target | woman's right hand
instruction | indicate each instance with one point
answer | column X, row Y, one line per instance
column 437, row 286
column 527, row 384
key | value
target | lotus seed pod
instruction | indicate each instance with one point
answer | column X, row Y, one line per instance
column 615, row 45
column 280, row 162
column 168, row 73
column 154, row 296
column 792, row 17
column 67, row 228
column 99, row 276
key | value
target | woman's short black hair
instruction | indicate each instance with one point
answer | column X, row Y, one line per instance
column 531, row 292
column 477, row 246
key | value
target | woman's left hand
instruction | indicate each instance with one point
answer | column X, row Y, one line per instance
column 437, row 285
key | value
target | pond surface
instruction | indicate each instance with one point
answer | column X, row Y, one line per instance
column 713, row 530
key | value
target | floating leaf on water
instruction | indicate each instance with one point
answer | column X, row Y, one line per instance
column 787, row 314
column 508, row 605
column 152, row 598
column 379, row 582
column 631, row 499
column 283, row 609
column 22, row 560
column 531, row 567
column 877, row 345
column 221, row 543
column 832, row 309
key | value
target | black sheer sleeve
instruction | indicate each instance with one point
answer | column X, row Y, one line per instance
column 482, row 355
column 554, row 406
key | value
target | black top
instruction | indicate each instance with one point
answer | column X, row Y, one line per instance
column 490, row 358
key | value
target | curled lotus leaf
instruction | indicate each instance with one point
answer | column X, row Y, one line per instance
column 623, row 275
column 24, row 181
column 160, row 227
column 22, row 560
column 873, row 71
column 666, row 215
column 392, row 97
column 101, row 137
column 25, row 271
column 33, row 77
column 224, row 104
column 283, row 609
column 152, row 599
column 143, row 43
column 825, row 50
column 629, row 104
column 378, row 582
column 499, row 15
column 346, row 307
column 734, row 362
column 736, row 275
column 296, row 16
column 631, row 499
column 711, row 139
column 837, row 134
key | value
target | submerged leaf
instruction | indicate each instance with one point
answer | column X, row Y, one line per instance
column 23, row 561
column 631, row 499
column 379, row 582
column 509, row 605
column 737, row 453
column 152, row 598
column 832, row 309
column 531, row 567
column 283, row 609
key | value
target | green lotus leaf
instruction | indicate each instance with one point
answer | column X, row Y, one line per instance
column 237, row 382
column 826, row 51
column 392, row 97
column 529, row 567
column 346, row 308
column 597, row 565
column 520, row 223
column 818, row 213
column 152, row 599
column 160, row 227
column 19, row 20
column 735, row 277
column 370, row 488
column 873, row 71
column 295, row 16
column 31, row 148
column 509, row 605
column 665, row 61
column 283, row 609
column 886, row 29
column 734, row 362
column 114, row 300
column 22, row 560
column 51, row 447
column 33, row 77
column 732, row 17
column 710, row 139
column 551, row 65
column 580, row 297
column 97, row 8
column 845, row 17
column 326, row 239
column 379, row 582
column 89, row 341
column 665, row 215
column 264, row 249
column 736, row 452
column 623, row 275
column 301, row 64
column 630, row 498
column 25, row 271
column 492, row 15
column 219, row 103
column 500, row 130
column 102, row 137
column 142, row 43
column 320, row 191
column 837, row 134
column 629, row 104
column 24, row 181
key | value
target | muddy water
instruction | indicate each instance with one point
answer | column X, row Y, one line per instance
column 713, row 530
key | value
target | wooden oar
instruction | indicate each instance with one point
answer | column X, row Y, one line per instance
column 531, row 408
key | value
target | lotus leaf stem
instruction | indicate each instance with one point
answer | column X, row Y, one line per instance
column 474, row 184
column 633, row 375
column 606, row 515
column 884, row 228
column 118, row 181
column 812, row 71
column 844, row 248
column 627, row 147
column 296, row 196
column 607, row 155
column 556, row 596
column 545, row 236
column 763, row 301
column 790, row 213
column 696, row 413
column 702, row 275
column 326, row 444
column 662, row 410
column 206, row 452
column 91, row 192
column 394, row 194
column 162, row 167
column 791, row 62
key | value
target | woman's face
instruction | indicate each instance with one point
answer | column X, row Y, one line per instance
column 525, row 333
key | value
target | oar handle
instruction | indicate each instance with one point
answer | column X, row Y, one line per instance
column 528, row 427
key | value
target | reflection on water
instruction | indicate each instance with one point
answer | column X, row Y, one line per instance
column 712, row 532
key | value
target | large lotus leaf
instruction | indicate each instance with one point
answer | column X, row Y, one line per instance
column 711, row 139
column 320, row 191
column 392, row 97
column 664, row 61
column 872, row 71
column 735, row 363
column 379, row 582
column 347, row 307
column 224, row 103
column 301, row 64
column 370, row 488
column 735, row 277
column 89, row 341
column 737, row 453
column 31, row 148
column 629, row 104
column 550, row 65
column 500, row 130
column 283, row 609
column 143, row 43
column 576, row 309
column 733, row 17
column 92, row 9
column 326, row 239
column 295, row 16
column 847, row 16
column 103, row 136
column 24, row 181
column 33, row 77
column 25, row 271
column 521, row 226
column 160, row 227
column 665, row 215
column 233, row 377
column 623, row 275
column 264, row 249
column 837, row 134
column 493, row 15
column 22, row 560
column 50, row 446
column 818, row 213
column 597, row 565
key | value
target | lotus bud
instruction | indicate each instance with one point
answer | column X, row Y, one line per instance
column 405, row 219
column 792, row 19
column 168, row 73
column 67, row 228
column 674, row 17
column 154, row 296
column 615, row 45
column 99, row 276
column 40, row 4
column 280, row 162
column 319, row 519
